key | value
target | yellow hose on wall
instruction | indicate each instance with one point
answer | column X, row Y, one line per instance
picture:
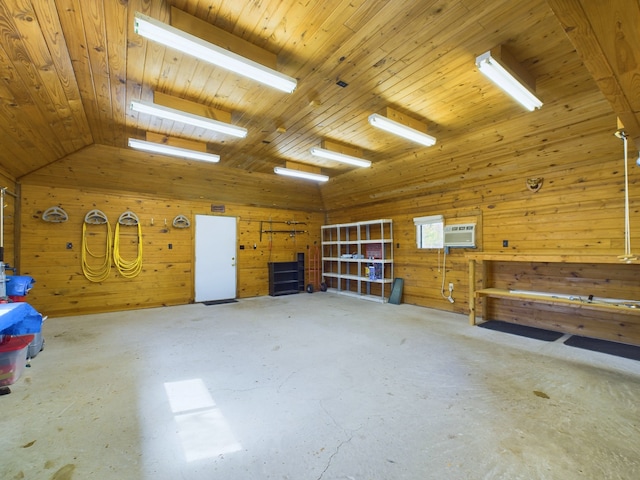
column 127, row 269
column 100, row 272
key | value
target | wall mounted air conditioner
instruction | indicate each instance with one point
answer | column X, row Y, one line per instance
column 463, row 235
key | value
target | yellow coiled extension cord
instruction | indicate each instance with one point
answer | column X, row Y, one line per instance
column 100, row 272
column 127, row 269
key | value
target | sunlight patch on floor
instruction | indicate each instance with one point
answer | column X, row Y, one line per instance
column 202, row 428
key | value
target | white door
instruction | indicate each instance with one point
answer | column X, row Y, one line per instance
column 215, row 253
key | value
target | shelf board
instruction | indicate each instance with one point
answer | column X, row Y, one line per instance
column 364, row 296
column 358, row 224
column 362, row 260
column 545, row 258
column 554, row 300
column 356, row 277
column 372, row 241
column 284, row 292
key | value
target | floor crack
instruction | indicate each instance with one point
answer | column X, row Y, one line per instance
column 286, row 380
column 333, row 455
column 349, row 432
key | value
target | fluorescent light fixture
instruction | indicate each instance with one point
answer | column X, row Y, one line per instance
column 190, row 44
column 168, row 113
column 172, row 151
column 300, row 174
column 339, row 157
column 498, row 74
column 396, row 128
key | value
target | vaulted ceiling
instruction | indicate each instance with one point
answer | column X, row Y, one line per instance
column 70, row 68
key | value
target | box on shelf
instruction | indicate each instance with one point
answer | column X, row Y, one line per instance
column 373, row 250
column 373, row 271
column 13, row 357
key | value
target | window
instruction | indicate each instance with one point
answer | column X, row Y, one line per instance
column 429, row 231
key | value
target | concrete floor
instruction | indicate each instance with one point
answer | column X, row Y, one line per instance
column 314, row 386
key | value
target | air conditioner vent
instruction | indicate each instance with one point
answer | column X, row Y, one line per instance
column 463, row 235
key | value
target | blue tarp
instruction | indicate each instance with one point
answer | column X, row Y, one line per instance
column 19, row 319
column 19, row 285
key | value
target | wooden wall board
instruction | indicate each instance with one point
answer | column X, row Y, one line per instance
column 578, row 210
column 167, row 273
column 562, row 292
column 582, row 280
column 100, row 167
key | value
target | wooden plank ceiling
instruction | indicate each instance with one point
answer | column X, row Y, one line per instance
column 69, row 69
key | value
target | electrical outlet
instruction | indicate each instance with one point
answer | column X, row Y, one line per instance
column 451, row 287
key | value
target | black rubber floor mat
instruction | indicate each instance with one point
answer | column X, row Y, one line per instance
column 522, row 330
column 220, row 302
column 604, row 346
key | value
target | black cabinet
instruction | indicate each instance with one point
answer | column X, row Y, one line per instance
column 283, row 278
column 301, row 271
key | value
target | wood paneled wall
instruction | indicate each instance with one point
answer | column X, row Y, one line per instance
column 579, row 209
column 422, row 269
column 100, row 167
column 612, row 281
column 167, row 274
column 10, row 211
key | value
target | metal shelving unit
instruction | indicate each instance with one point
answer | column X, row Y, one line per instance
column 357, row 259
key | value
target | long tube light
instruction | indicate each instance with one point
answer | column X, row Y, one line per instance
column 168, row 113
column 190, row 44
column 300, row 174
column 396, row 128
column 172, row 151
column 339, row 157
column 490, row 67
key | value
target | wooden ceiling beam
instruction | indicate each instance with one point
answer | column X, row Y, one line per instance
column 188, row 106
column 406, row 120
column 212, row 34
column 511, row 64
column 176, row 142
column 339, row 148
column 608, row 42
column 303, row 167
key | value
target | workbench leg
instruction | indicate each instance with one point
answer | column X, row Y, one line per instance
column 472, row 292
column 483, row 283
